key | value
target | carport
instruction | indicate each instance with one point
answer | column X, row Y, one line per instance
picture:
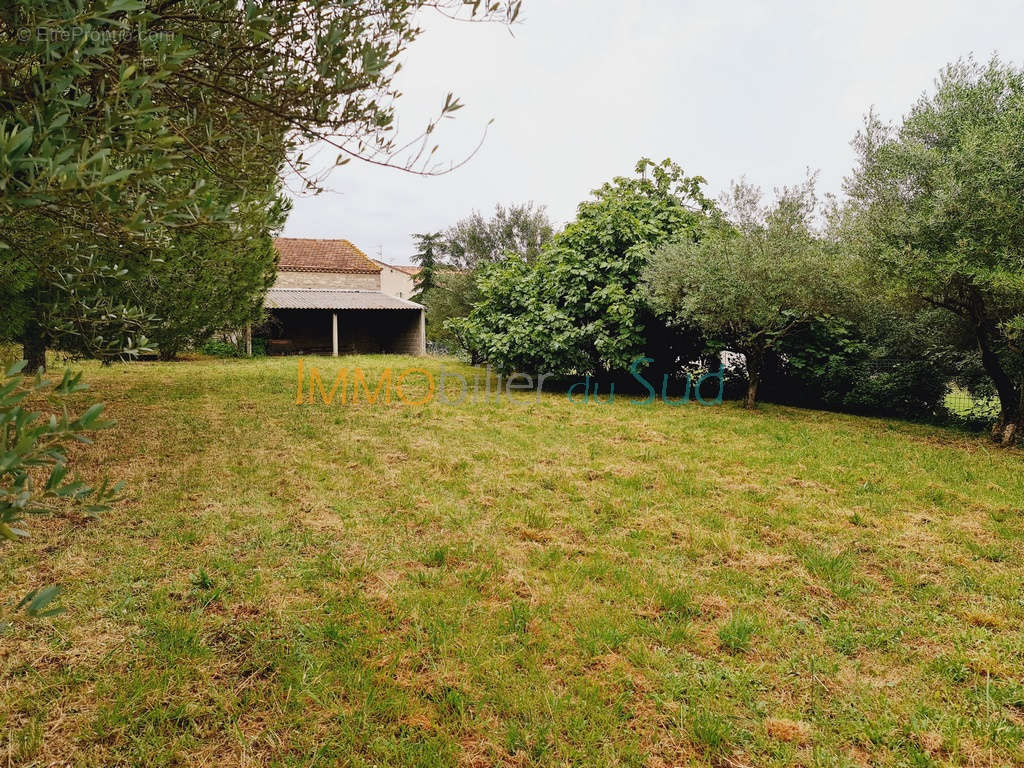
column 309, row 321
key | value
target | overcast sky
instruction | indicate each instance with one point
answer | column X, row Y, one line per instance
column 581, row 89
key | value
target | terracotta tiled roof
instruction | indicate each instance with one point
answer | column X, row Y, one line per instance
column 409, row 269
column 301, row 254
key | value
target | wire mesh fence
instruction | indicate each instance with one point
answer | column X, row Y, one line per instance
column 962, row 404
column 919, row 389
column 9, row 352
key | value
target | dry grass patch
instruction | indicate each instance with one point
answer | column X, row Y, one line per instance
column 791, row 731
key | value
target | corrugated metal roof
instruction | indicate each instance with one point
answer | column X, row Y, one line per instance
column 317, row 298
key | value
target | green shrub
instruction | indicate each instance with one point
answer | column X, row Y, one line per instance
column 31, row 441
column 217, row 348
column 886, row 366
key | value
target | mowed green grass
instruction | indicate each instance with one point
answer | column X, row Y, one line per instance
column 545, row 584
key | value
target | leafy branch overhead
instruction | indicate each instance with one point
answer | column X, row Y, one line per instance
column 124, row 122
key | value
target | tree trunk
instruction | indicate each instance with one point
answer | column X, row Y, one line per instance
column 34, row 348
column 1010, row 426
column 753, row 379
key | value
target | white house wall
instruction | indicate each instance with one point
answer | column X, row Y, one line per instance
column 395, row 282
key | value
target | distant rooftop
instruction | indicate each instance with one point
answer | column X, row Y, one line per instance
column 409, row 269
column 302, row 254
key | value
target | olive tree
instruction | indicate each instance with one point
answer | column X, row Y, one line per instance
column 750, row 279
column 938, row 207
column 121, row 120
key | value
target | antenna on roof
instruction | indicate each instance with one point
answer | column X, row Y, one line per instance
column 380, row 253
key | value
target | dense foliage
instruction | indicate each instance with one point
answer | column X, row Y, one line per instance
column 123, row 121
column 208, row 280
column 516, row 232
column 938, row 209
column 887, row 363
column 752, row 280
column 579, row 306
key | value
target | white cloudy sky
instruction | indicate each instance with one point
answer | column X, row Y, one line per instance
column 583, row 88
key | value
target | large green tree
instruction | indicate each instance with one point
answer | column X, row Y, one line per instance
column 518, row 231
column 751, row 281
column 579, row 306
column 123, row 119
column 939, row 209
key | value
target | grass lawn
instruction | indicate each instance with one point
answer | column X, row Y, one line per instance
column 557, row 584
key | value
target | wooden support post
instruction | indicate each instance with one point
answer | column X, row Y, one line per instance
column 334, row 333
column 423, row 333
column 248, row 339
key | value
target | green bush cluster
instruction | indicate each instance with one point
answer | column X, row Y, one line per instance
column 877, row 305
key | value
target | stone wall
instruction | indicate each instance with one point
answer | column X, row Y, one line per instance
column 410, row 340
column 326, row 280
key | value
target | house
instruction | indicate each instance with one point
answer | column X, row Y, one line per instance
column 397, row 279
column 328, row 300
